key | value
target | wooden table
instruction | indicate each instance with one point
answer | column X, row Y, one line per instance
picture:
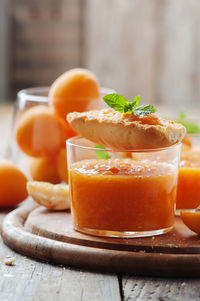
column 30, row 279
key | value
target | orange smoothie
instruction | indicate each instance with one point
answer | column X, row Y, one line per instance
column 188, row 190
column 123, row 195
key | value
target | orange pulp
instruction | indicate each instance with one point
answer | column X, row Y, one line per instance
column 123, row 195
column 188, row 190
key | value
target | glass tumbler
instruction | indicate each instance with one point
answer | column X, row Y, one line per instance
column 122, row 194
column 188, row 191
column 41, row 152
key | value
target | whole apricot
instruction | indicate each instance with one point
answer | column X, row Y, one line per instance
column 44, row 169
column 62, row 165
column 75, row 90
column 12, row 184
column 40, row 133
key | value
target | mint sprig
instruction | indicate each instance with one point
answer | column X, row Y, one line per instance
column 191, row 127
column 101, row 154
column 121, row 104
column 144, row 110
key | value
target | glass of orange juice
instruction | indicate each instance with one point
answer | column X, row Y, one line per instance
column 188, row 192
column 122, row 194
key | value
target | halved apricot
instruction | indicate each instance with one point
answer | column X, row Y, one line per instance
column 44, row 169
column 191, row 220
column 40, row 133
column 12, row 184
column 75, row 90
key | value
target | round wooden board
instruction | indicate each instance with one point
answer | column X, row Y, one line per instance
column 49, row 235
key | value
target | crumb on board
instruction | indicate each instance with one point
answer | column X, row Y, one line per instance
column 9, row 261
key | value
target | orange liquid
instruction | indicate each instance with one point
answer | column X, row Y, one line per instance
column 188, row 191
column 123, row 195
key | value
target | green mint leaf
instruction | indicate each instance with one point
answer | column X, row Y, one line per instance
column 191, row 127
column 117, row 102
column 122, row 105
column 135, row 102
column 128, row 108
column 182, row 115
column 144, row 110
column 101, row 154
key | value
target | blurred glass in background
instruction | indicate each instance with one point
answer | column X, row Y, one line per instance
column 146, row 47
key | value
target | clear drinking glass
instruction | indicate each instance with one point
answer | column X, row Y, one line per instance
column 188, row 190
column 44, row 164
column 122, row 194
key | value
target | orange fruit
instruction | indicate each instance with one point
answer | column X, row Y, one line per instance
column 62, row 165
column 12, row 183
column 44, row 169
column 75, row 90
column 40, row 133
column 191, row 220
column 186, row 143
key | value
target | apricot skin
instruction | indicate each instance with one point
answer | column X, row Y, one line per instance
column 12, row 184
column 44, row 169
column 75, row 90
column 40, row 133
column 62, row 165
column 191, row 220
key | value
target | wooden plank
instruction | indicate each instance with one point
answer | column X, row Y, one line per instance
column 58, row 226
column 6, row 129
column 179, row 74
column 173, row 254
column 5, row 53
column 121, row 39
column 33, row 280
column 48, row 35
column 161, row 289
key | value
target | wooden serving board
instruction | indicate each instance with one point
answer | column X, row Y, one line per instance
column 37, row 232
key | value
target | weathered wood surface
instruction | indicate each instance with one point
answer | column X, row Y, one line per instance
column 5, row 48
column 47, row 40
column 147, row 47
column 113, row 47
column 44, row 234
column 160, row 289
column 31, row 280
column 6, row 115
column 179, row 59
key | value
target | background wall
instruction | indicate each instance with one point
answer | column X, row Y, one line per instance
column 43, row 41
column 146, row 47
